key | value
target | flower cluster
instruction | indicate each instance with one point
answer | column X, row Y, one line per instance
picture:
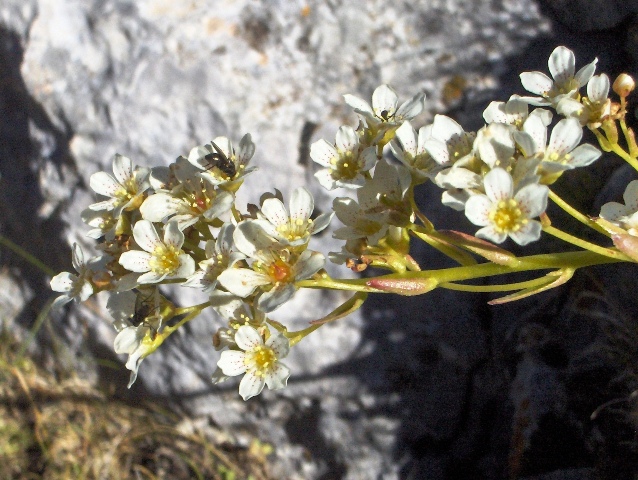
column 179, row 224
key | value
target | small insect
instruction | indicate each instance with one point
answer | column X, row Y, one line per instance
column 386, row 116
column 145, row 307
column 219, row 160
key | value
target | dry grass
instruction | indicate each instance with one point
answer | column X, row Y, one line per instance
column 52, row 429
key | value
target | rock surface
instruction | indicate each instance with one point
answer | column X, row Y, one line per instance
column 418, row 388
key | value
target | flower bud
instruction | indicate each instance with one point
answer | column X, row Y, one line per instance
column 404, row 286
column 624, row 85
column 627, row 244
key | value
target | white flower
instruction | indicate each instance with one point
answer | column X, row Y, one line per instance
column 564, row 83
column 345, row 163
column 562, row 152
column 381, row 203
column 103, row 222
column 221, row 163
column 274, row 269
column 358, row 225
column 384, row 106
column 451, row 145
column 259, row 361
column 592, row 109
column 513, row 112
column 136, row 324
column 125, row 190
column 74, row 287
column 503, row 214
column 292, row 228
column 220, row 255
column 409, row 148
column 383, row 196
column 130, row 341
column 625, row 216
column 495, row 144
column 187, row 203
column 160, row 259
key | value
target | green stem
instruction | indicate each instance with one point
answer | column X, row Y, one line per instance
column 606, row 252
column 27, row 256
column 617, row 149
column 507, row 287
column 549, row 261
column 584, row 219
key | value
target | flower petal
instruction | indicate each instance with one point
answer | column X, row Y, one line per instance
column 322, row 153
column 359, row 105
column 276, row 378
column 598, row 87
column 232, row 363
column 384, row 101
column 242, row 281
column 631, row 196
column 63, row 282
column 562, row 64
column 498, row 185
column 104, row 184
column 301, row 205
column 276, row 297
column 412, row 107
column 251, row 385
column 489, row 233
column 533, row 199
column 477, row 209
column 122, row 168
column 279, row 344
column 172, row 235
column 159, row 206
column 584, row 155
column 530, row 232
column 146, row 236
column 186, row 267
column 611, row 211
column 346, row 139
column 248, row 338
column 275, row 211
column 565, row 136
column 135, row 261
column 536, row 82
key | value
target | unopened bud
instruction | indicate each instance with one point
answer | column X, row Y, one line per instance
column 624, row 85
column 404, row 286
column 627, row 244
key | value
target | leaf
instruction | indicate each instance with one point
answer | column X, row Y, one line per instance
column 445, row 247
column 563, row 275
column 353, row 304
column 481, row 247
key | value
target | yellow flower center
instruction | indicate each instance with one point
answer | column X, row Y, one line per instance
column 507, row 216
column 345, row 166
column 294, row 229
column 280, row 271
column 165, row 259
column 556, row 157
column 260, row 360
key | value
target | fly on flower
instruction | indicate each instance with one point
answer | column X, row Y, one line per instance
column 146, row 306
column 219, row 160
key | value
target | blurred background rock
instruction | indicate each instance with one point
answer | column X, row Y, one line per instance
column 439, row 387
